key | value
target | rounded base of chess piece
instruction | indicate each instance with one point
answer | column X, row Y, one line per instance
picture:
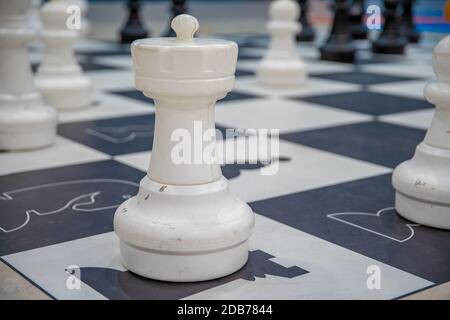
column 64, row 92
column 422, row 187
column 387, row 46
column 183, row 233
column 359, row 32
column 25, row 123
column 282, row 73
column 413, row 37
column 306, row 35
column 130, row 34
column 338, row 53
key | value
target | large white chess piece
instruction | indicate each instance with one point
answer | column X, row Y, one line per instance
column 184, row 224
column 282, row 66
column 60, row 77
column 25, row 122
column 423, row 183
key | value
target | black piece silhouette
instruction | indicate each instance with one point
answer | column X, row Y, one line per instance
column 307, row 33
column 339, row 46
column 390, row 40
column 133, row 28
column 178, row 7
column 407, row 27
column 359, row 30
column 115, row 284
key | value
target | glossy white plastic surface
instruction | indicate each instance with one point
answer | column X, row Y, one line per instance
column 25, row 123
column 423, row 183
column 184, row 224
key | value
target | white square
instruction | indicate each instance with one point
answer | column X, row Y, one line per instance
column 313, row 86
column 409, row 89
column 285, row 115
column 63, row 152
column 107, row 106
column 416, row 119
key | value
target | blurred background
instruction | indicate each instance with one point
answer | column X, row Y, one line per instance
column 240, row 16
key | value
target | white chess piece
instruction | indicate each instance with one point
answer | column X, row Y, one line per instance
column 60, row 77
column 184, row 224
column 423, row 183
column 282, row 66
column 25, row 122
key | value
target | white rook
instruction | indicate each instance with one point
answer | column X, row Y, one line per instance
column 60, row 77
column 25, row 122
column 282, row 66
column 184, row 224
column 423, row 183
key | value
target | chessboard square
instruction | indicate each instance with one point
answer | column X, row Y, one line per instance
column 376, row 142
column 363, row 78
column 409, row 89
column 63, row 203
column 133, row 94
column 313, row 66
column 113, row 136
column 285, row 115
column 112, row 80
column 367, row 102
column 62, row 152
column 416, row 119
column 313, row 86
column 106, row 106
column 359, row 216
column 124, row 62
column 410, row 69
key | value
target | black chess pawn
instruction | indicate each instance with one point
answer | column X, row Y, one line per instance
column 339, row 46
column 358, row 28
column 390, row 40
column 407, row 27
column 133, row 28
column 178, row 7
column 307, row 33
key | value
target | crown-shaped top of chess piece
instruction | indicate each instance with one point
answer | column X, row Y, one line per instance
column 164, row 65
column 284, row 10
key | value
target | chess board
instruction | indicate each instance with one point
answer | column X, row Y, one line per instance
column 325, row 223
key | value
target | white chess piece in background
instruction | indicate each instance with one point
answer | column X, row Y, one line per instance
column 25, row 123
column 59, row 77
column 282, row 66
column 422, row 184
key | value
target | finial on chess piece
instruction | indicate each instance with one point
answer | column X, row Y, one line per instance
column 185, row 26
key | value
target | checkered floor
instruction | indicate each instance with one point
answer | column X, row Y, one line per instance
column 323, row 223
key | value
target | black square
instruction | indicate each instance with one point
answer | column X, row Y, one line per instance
column 377, row 142
column 45, row 207
column 137, row 95
column 363, row 78
column 367, row 102
column 346, row 214
column 115, row 136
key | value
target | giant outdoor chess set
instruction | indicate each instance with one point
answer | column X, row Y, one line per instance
column 321, row 222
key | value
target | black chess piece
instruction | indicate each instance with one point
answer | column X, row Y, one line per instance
column 407, row 27
column 339, row 46
column 133, row 28
column 307, row 33
column 390, row 40
column 359, row 30
column 178, row 7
